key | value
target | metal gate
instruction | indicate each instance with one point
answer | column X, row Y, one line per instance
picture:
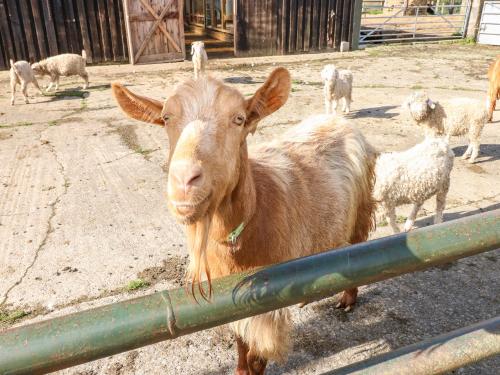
column 412, row 20
column 489, row 29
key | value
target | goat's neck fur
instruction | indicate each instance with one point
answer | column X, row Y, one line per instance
column 434, row 122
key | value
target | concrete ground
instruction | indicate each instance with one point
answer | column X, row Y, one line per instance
column 83, row 208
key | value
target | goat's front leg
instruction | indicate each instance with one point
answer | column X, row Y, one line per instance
column 57, row 83
column 256, row 364
column 413, row 215
column 242, row 368
column 348, row 299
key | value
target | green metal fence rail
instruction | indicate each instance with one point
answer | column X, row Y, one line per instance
column 88, row 335
column 437, row 355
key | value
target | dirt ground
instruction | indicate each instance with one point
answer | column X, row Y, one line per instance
column 83, row 208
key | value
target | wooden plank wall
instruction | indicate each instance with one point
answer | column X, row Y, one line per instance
column 35, row 29
column 270, row 27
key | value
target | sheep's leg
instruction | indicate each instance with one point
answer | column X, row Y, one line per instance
column 440, row 204
column 390, row 214
column 334, row 104
column 413, row 215
column 475, row 151
column 328, row 108
column 13, row 85
column 85, row 77
column 24, row 89
column 242, row 368
column 348, row 299
column 256, row 365
column 467, row 152
column 50, row 84
column 347, row 105
column 57, row 83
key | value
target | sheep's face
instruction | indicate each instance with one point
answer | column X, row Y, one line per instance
column 419, row 105
column 329, row 74
column 38, row 69
column 207, row 124
column 197, row 47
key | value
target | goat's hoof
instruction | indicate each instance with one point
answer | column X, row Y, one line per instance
column 465, row 157
column 472, row 161
column 341, row 305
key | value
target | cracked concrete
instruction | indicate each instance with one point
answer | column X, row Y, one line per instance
column 75, row 196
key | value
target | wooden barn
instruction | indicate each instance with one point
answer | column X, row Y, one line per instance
column 146, row 31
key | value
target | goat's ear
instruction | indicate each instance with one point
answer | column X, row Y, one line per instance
column 268, row 98
column 136, row 106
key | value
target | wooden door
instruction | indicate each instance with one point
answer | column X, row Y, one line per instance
column 155, row 30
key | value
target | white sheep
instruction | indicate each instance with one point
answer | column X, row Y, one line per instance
column 67, row 64
column 454, row 117
column 337, row 85
column 199, row 59
column 21, row 73
column 412, row 177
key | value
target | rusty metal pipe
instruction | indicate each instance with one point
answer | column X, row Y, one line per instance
column 88, row 335
column 437, row 355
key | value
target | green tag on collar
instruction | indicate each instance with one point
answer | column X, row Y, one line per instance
column 233, row 236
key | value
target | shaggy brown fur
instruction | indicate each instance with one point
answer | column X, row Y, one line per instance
column 305, row 193
column 494, row 87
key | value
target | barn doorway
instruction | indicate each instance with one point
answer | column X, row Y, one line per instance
column 211, row 21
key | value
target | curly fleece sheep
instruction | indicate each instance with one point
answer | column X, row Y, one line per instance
column 412, row 177
column 457, row 116
column 337, row 85
column 67, row 64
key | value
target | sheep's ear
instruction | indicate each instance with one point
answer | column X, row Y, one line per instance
column 136, row 106
column 268, row 98
column 431, row 104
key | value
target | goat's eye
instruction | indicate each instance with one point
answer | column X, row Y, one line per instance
column 166, row 118
column 239, row 120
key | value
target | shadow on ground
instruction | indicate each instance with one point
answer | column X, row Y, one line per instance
column 377, row 112
column 487, row 153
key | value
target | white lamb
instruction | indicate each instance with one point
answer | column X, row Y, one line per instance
column 21, row 73
column 412, row 177
column 199, row 59
column 67, row 64
column 337, row 85
column 457, row 116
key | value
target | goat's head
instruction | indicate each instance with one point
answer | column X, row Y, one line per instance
column 197, row 47
column 329, row 74
column 420, row 105
column 207, row 124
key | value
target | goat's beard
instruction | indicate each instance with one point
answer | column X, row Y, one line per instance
column 198, row 266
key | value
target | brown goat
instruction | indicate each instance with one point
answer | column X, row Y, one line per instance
column 494, row 87
column 306, row 193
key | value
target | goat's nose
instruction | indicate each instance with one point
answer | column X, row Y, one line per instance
column 186, row 176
